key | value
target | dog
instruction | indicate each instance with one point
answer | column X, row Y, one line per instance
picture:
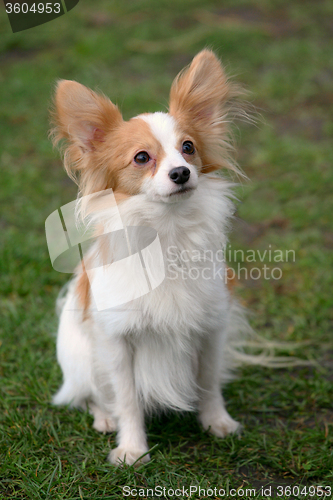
column 168, row 347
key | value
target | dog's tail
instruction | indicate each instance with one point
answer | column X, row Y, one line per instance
column 245, row 346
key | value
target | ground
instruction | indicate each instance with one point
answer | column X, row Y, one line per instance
column 281, row 51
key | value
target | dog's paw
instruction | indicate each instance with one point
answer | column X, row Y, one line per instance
column 104, row 424
column 119, row 456
column 220, row 425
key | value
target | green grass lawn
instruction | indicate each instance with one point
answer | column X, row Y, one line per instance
column 281, row 50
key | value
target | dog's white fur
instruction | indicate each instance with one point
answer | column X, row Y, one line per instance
column 168, row 348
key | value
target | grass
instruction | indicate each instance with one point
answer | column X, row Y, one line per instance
column 282, row 51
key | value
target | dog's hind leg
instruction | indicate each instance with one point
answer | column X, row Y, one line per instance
column 103, row 422
column 74, row 355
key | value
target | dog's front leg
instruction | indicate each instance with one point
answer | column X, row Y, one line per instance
column 212, row 412
column 131, row 437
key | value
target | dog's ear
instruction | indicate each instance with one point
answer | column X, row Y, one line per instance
column 82, row 116
column 200, row 100
column 200, row 89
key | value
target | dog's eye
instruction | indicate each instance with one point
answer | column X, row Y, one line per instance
column 188, row 148
column 142, row 157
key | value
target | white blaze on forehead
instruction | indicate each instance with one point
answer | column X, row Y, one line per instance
column 163, row 127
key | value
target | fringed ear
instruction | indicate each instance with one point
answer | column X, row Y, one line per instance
column 201, row 100
column 84, row 119
column 82, row 116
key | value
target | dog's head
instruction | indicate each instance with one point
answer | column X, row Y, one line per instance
column 161, row 155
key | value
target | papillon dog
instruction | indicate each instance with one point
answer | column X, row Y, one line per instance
column 149, row 320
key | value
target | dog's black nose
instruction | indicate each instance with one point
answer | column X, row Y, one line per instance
column 180, row 175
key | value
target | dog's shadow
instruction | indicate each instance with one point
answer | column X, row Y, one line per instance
column 173, row 431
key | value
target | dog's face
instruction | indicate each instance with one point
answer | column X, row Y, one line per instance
column 163, row 162
column 161, row 155
column 150, row 154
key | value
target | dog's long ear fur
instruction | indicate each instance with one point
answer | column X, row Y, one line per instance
column 84, row 119
column 203, row 101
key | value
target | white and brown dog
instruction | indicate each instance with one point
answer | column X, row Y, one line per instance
column 167, row 348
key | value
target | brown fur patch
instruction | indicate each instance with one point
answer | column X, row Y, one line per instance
column 231, row 280
column 83, row 293
column 135, row 136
